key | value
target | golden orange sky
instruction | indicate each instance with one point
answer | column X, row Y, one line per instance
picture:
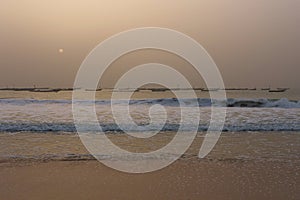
column 253, row 42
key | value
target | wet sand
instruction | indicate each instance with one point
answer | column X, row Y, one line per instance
column 185, row 179
column 241, row 166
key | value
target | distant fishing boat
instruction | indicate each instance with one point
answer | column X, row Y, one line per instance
column 265, row 88
column 93, row 90
column 279, row 90
column 210, row 89
column 198, row 88
column 159, row 89
column 228, row 89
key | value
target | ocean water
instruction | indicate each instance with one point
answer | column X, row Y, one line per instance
column 40, row 125
column 36, row 114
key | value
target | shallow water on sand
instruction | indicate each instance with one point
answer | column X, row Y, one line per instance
column 232, row 146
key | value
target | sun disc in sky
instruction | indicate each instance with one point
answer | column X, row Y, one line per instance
column 60, row 50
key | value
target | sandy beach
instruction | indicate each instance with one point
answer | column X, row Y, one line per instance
column 242, row 166
column 185, row 179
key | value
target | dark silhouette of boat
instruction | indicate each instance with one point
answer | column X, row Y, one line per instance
column 159, row 89
column 36, row 89
column 232, row 89
column 266, row 88
column 210, row 89
column 278, row 90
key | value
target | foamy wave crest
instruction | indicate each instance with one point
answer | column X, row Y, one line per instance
column 202, row 102
column 58, row 128
column 268, row 103
column 40, row 116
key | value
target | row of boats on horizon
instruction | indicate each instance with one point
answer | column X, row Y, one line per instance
column 157, row 89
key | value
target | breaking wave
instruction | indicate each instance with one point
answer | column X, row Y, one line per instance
column 201, row 102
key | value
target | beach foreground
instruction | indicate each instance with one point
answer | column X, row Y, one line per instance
column 241, row 166
column 185, row 179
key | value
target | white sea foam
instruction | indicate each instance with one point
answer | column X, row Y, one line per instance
column 242, row 115
column 202, row 102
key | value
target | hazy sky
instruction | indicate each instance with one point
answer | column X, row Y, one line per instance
column 253, row 42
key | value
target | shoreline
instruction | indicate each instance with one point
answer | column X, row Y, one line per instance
column 245, row 146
